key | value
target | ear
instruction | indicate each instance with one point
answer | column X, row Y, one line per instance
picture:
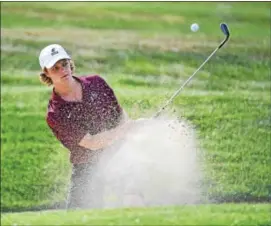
column 45, row 70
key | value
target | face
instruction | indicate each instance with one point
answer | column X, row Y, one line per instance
column 60, row 72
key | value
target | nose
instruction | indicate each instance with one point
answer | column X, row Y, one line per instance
column 63, row 69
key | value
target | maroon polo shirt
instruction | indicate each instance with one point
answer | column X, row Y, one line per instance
column 70, row 121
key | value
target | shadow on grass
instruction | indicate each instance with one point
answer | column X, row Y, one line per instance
column 239, row 198
column 55, row 206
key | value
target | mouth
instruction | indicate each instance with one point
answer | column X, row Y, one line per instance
column 65, row 76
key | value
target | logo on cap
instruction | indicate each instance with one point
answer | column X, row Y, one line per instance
column 54, row 52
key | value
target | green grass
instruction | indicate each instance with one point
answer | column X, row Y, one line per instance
column 188, row 215
column 145, row 51
column 146, row 16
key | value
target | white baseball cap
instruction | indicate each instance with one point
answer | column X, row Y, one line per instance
column 51, row 54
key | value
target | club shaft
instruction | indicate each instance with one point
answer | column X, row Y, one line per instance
column 186, row 82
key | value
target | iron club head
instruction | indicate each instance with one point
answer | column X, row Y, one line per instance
column 225, row 29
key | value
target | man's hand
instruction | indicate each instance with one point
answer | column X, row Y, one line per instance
column 106, row 138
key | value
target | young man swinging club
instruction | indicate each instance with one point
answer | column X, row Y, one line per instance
column 83, row 114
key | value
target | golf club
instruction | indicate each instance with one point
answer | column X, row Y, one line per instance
column 226, row 32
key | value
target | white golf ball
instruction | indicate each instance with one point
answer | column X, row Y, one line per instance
column 194, row 27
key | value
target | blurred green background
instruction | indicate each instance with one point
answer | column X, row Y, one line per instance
column 145, row 50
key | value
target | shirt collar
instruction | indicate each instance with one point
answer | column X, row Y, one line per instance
column 57, row 98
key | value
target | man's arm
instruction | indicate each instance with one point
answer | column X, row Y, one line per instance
column 106, row 138
column 103, row 139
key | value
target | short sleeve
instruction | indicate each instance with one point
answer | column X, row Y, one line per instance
column 69, row 134
column 109, row 91
column 116, row 110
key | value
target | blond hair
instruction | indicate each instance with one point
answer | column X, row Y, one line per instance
column 48, row 81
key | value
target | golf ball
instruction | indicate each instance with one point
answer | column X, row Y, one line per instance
column 194, row 27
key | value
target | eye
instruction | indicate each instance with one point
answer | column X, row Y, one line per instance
column 56, row 68
column 65, row 63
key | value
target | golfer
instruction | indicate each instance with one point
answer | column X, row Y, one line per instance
column 83, row 114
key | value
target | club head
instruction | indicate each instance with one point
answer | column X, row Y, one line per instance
column 224, row 29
